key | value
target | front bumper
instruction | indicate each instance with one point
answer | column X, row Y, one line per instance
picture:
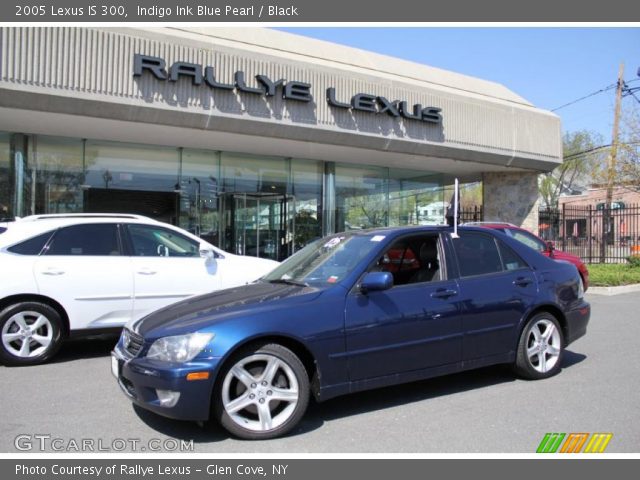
column 577, row 321
column 140, row 379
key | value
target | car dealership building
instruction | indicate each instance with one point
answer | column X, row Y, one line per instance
column 257, row 140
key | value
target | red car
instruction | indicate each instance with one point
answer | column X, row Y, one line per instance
column 535, row 242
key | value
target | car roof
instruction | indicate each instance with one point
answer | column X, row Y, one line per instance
column 492, row 225
column 34, row 225
column 72, row 216
column 386, row 231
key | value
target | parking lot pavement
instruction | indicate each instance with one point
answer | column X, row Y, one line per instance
column 76, row 399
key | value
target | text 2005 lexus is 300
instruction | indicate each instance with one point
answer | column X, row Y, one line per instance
column 351, row 312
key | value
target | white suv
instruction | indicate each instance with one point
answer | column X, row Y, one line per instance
column 87, row 273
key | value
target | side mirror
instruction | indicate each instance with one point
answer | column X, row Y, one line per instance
column 208, row 254
column 376, row 282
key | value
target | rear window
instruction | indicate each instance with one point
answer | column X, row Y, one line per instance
column 33, row 246
column 85, row 240
column 482, row 254
column 527, row 239
column 510, row 259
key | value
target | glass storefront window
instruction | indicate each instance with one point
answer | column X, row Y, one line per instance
column 59, row 174
column 132, row 178
column 362, row 197
column 199, row 189
column 256, row 205
column 415, row 198
column 254, row 174
column 306, row 190
column 246, row 204
column 5, row 185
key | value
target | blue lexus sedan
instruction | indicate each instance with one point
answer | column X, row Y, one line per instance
column 351, row 312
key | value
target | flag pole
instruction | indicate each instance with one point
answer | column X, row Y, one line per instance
column 456, row 201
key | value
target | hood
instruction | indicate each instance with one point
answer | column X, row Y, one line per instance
column 202, row 311
column 569, row 257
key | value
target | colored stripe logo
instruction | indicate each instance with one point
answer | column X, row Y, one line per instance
column 574, row 442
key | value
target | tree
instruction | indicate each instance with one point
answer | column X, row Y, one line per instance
column 470, row 195
column 628, row 162
column 577, row 166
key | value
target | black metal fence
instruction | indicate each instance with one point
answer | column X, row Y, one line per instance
column 471, row 214
column 597, row 235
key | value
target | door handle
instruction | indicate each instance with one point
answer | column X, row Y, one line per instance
column 444, row 293
column 147, row 271
column 52, row 272
column 522, row 281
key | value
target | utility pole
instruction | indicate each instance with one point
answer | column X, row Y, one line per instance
column 607, row 226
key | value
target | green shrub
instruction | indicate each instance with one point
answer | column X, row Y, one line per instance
column 634, row 261
column 613, row 274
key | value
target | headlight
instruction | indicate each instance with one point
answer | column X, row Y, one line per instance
column 580, row 287
column 180, row 348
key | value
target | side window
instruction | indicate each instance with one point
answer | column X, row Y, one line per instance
column 412, row 260
column 100, row 239
column 511, row 259
column 477, row 254
column 529, row 240
column 33, row 246
column 150, row 241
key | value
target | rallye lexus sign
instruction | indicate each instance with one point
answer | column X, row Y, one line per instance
column 289, row 90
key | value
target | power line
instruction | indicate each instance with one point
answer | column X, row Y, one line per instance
column 605, row 89
column 630, row 91
column 595, row 149
column 634, row 96
column 586, row 96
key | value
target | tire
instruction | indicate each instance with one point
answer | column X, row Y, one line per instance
column 30, row 333
column 540, row 348
column 262, row 392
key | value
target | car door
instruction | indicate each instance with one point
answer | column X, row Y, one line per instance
column 496, row 288
column 167, row 267
column 83, row 268
column 413, row 325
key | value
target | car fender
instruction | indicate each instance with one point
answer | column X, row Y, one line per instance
column 276, row 324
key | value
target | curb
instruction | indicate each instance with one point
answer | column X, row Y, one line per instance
column 609, row 291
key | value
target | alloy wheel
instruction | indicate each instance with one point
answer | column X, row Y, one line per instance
column 27, row 334
column 260, row 392
column 543, row 345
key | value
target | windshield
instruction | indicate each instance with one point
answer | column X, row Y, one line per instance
column 324, row 262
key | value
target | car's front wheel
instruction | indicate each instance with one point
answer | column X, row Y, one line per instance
column 540, row 348
column 263, row 392
column 30, row 333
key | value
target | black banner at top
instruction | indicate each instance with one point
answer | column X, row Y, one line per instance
column 285, row 11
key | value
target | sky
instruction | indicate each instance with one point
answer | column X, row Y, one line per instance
column 547, row 66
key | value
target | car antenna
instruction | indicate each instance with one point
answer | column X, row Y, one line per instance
column 456, row 199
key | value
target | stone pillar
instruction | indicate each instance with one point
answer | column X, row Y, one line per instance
column 512, row 198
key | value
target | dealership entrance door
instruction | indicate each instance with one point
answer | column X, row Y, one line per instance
column 258, row 224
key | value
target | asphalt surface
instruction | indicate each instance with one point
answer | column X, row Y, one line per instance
column 76, row 399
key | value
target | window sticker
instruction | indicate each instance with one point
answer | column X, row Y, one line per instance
column 332, row 279
column 377, row 238
column 333, row 242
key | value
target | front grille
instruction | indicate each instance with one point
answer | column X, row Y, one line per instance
column 132, row 342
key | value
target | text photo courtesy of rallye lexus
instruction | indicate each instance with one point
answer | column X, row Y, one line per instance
column 82, row 274
column 351, row 312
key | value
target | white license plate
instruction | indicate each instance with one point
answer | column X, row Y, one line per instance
column 114, row 366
